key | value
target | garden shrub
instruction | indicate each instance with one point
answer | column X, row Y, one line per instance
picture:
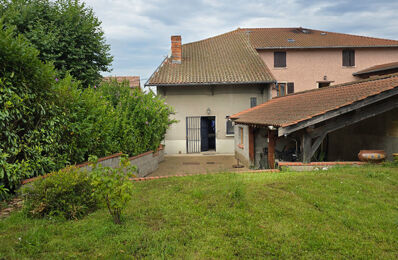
column 66, row 193
column 113, row 186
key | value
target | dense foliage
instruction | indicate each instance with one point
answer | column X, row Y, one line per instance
column 67, row 194
column 48, row 122
column 65, row 32
column 113, row 186
column 27, row 112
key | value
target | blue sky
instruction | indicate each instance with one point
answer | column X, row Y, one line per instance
column 139, row 30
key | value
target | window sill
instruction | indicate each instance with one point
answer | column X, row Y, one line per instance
column 280, row 68
column 229, row 135
column 241, row 146
column 348, row 67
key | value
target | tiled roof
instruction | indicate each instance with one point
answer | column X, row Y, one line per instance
column 378, row 68
column 275, row 38
column 226, row 58
column 301, row 106
column 134, row 81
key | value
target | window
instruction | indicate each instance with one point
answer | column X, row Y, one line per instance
column 230, row 127
column 290, row 87
column 253, row 101
column 323, row 84
column 241, row 135
column 348, row 58
column 281, row 89
column 284, row 88
column 280, row 59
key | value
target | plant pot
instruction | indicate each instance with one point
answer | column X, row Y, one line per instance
column 373, row 156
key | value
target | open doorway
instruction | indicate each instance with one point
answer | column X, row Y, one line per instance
column 208, row 133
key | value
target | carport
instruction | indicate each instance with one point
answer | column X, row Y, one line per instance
column 339, row 120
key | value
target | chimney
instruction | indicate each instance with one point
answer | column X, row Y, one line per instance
column 176, row 49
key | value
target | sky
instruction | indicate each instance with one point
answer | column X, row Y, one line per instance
column 139, row 30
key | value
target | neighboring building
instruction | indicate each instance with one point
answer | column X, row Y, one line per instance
column 208, row 80
column 312, row 59
column 332, row 123
column 134, row 81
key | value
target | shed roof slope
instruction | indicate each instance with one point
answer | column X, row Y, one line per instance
column 301, row 106
column 377, row 68
column 226, row 58
column 274, row 38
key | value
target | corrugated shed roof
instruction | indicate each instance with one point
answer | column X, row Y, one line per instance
column 227, row 58
column 301, row 106
column 275, row 38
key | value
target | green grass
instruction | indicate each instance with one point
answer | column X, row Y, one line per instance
column 341, row 213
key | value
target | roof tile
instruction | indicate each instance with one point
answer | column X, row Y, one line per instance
column 300, row 106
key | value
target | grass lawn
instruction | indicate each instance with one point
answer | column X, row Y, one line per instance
column 340, row 213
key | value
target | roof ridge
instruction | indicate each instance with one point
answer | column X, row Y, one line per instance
column 212, row 37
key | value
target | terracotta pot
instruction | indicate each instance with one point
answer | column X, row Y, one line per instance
column 374, row 156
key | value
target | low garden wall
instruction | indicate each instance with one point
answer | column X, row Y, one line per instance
column 146, row 163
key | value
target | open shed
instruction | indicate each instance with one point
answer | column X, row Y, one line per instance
column 328, row 124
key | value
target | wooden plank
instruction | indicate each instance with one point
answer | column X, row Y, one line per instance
column 331, row 114
column 306, row 145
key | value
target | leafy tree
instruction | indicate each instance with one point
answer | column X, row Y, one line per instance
column 65, row 32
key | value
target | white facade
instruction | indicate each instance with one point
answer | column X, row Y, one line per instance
column 217, row 101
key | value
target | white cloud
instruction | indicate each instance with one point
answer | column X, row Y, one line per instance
column 139, row 30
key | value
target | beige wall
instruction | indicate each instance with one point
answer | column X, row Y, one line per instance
column 306, row 67
column 194, row 101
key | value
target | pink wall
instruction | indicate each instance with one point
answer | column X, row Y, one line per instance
column 306, row 67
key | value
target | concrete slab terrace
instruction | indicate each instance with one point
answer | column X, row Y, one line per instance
column 195, row 164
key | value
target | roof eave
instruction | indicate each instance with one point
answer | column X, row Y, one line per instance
column 324, row 47
column 375, row 70
column 208, row 83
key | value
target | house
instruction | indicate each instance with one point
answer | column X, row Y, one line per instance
column 208, row 80
column 332, row 123
column 134, row 81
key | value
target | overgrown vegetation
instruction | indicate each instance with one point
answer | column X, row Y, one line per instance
column 48, row 122
column 340, row 213
column 66, row 32
column 66, row 194
column 113, row 186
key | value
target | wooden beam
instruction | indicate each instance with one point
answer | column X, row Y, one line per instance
column 271, row 148
column 331, row 114
column 355, row 117
column 251, row 144
column 306, row 146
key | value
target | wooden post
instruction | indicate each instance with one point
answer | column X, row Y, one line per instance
column 251, row 144
column 306, row 145
column 271, row 148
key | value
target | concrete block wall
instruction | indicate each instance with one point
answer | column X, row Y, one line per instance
column 146, row 163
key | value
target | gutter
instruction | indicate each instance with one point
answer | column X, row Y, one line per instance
column 324, row 47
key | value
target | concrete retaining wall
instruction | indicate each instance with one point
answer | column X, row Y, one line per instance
column 146, row 163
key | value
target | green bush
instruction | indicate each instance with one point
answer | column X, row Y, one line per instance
column 28, row 121
column 113, row 186
column 66, row 193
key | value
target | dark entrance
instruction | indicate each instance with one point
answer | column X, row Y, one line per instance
column 207, row 133
column 201, row 133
